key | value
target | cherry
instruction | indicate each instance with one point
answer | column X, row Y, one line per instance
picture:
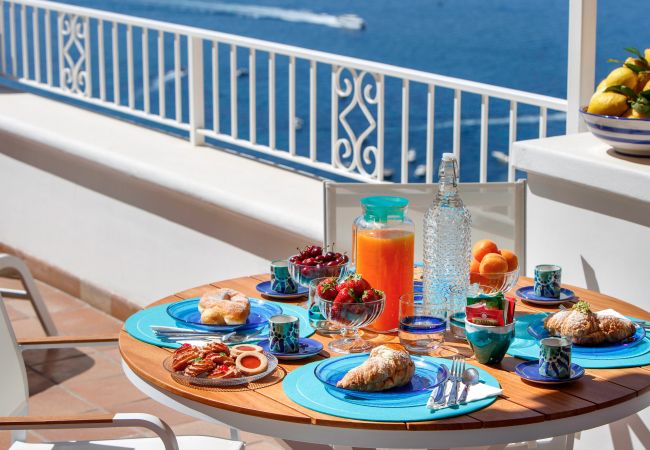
column 332, row 263
column 309, row 262
column 319, row 265
column 294, row 259
column 305, row 271
column 330, row 256
column 316, row 251
column 337, row 255
column 345, row 258
column 319, row 259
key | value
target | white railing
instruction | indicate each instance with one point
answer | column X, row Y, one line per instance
column 86, row 54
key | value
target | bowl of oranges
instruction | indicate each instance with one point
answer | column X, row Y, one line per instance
column 492, row 270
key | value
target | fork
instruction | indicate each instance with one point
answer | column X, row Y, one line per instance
column 457, row 368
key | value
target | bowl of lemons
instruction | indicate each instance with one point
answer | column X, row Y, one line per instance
column 619, row 111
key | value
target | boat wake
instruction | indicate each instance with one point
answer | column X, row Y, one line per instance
column 347, row 21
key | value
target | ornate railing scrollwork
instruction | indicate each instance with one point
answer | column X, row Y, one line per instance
column 74, row 70
column 350, row 152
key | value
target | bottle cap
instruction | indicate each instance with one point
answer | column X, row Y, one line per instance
column 448, row 157
column 380, row 208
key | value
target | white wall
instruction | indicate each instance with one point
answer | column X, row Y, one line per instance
column 127, row 237
column 600, row 239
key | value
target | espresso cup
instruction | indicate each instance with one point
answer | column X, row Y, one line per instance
column 284, row 334
column 555, row 357
column 281, row 280
column 548, row 279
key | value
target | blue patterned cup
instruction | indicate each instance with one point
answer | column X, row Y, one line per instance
column 281, row 281
column 547, row 280
column 489, row 343
column 284, row 334
column 555, row 357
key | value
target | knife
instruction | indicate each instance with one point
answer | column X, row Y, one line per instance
column 437, row 397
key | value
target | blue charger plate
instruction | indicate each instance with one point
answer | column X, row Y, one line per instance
column 186, row 312
column 428, row 375
column 528, row 294
column 306, row 348
column 536, row 329
column 265, row 288
column 529, row 370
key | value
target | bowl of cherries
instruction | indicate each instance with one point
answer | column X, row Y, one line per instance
column 313, row 262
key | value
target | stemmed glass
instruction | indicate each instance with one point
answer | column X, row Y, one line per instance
column 350, row 317
column 309, row 277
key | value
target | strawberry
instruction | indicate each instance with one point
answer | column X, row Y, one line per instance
column 356, row 283
column 346, row 296
column 327, row 289
column 371, row 295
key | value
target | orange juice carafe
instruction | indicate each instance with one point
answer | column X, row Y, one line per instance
column 384, row 240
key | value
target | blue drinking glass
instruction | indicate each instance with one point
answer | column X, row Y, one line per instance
column 421, row 327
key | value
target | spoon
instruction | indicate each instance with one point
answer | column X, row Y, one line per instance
column 470, row 377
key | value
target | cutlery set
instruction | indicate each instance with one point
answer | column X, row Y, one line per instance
column 173, row 334
column 457, row 375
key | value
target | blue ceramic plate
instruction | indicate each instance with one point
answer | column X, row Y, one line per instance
column 537, row 330
column 529, row 370
column 265, row 288
column 427, row 376
column 306, row 348
column 186, row 312
column 528, row 294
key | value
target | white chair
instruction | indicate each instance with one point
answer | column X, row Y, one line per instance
column 14, row 396
column 12, row 266
column 498, row 211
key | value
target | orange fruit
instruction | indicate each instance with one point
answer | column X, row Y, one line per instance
column 482, row 248
column 511, row 259
column 493, row 263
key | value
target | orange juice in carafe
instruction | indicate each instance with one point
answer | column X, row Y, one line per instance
column 384, row 241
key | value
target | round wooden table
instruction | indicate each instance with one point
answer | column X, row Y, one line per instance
column 524, row 412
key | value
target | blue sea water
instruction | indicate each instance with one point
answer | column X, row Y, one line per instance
column 512, row 43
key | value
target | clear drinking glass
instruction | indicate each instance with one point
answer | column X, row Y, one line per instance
column 316, row 318
column 421, row 327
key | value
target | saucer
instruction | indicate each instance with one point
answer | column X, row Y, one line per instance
column 306, row 348
column 529, row 371
column 527, row 294
column 265, row 288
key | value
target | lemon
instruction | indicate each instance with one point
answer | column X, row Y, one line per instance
column 634, row 114
column 608, row 104
column 621, row 76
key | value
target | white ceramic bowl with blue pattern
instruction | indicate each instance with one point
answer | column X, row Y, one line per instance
column 628, row 136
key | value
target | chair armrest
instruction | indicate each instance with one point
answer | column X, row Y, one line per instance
column 147, row 421
column 66, row 341
column 14, row 293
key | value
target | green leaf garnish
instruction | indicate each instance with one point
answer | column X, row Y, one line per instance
column 195, row 360
column 582, row 306
column 634, row 68
column 614, row 60
column 635, row 51
column 622, row 90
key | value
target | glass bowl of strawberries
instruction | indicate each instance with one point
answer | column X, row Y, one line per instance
column 313, row 262
column 350, row 303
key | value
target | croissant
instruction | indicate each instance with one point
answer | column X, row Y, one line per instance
column 388, row 366
column 224, row 307
column 586, row 328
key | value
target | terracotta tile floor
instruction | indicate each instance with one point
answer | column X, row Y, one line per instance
column 88, row 380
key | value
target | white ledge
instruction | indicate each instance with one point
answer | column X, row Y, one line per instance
column 581, row 158
column 239, row 184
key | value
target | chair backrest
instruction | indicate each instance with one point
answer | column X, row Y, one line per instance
column 13, row 387
column 498, row 211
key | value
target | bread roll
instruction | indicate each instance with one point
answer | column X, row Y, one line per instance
column 388, row 366
column 224, row 307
